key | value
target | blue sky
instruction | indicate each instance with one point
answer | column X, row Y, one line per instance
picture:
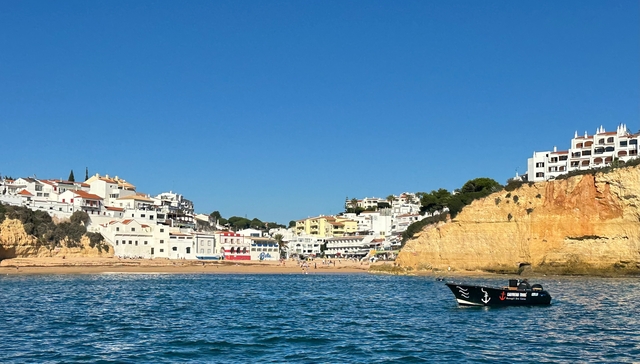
column 281, row 109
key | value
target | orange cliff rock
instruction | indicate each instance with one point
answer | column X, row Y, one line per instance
column 16, row 243
column 589, row 220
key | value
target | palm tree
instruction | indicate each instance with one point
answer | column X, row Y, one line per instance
column 391, row 198
column 281, row 243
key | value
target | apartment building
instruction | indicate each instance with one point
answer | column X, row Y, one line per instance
column 585, row 152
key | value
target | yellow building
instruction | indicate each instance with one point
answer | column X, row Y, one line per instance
column 326, row 226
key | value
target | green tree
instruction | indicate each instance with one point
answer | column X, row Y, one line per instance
column 71, row 177
column 390, row 199
column 256, row 224
column 79, row 217
column 292, row 223
column 481, row 184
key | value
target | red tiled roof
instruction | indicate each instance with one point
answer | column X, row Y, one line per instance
column 126, row 222
column 114, row 208
column 87, row 195
column 25, row 193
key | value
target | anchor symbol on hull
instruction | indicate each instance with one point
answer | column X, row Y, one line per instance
column 502, row 296
column 486, row 298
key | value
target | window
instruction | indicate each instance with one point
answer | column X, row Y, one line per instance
column 145, row 242
column 161, row 250
column 201, row 251
column 161, row 241
column 539, row 174
column 554, row 159
column 116, row 242
column 188, row 250
column 133, row 229
column 175, row 248
column 130, row 242
column 39, row 194
column 162, row 230
column 142, row 215
column 633, row 141
column 623, row 143
column 38, row 187
column 563, row 157
column 117, row 229
column 540, row 165
column 136, row 243
column 601, row 141
column 610, row 140
column 132, row 215
column 586, row 152
column 574, row 163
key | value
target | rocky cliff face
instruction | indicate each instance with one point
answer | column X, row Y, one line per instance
column 16, row 243
column 589, row 221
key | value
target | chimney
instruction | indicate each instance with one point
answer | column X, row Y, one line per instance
column 555, row 149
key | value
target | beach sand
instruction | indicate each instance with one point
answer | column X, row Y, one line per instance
column 81, row 265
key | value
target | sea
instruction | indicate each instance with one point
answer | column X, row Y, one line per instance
column 312, row 318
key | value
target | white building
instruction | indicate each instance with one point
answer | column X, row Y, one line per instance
column 250, row 232
column 82, row 201
column 349, row 246
column 588, row 151
column 110, row 189
column 264, row 248
column 182, row 246
column 206, row 247
column 131, row 239
column 305, row 245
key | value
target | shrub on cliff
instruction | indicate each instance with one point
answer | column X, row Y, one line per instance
column 419, row 225
column 40, row 225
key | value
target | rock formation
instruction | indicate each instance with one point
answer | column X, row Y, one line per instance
column 16, row 243
column 590, row 221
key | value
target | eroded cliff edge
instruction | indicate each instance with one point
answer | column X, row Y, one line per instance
column 583, row 222
column 16, row 243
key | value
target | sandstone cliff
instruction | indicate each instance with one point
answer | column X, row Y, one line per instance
column 16, row 243
column 584, row 221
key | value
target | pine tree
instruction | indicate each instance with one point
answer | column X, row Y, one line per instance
column 71, row 177
column 86, row 173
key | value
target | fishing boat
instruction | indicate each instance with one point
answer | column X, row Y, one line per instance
column 517, row 293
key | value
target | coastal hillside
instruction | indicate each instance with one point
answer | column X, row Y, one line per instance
column 582, row 224
column 26, row 234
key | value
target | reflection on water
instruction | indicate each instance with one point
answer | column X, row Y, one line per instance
column 308, row 318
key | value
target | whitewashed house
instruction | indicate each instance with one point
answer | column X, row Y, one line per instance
column 181, row 246
column 110, row 189
column 82, row 201
column 206, row 247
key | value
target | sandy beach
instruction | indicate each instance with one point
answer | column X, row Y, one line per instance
column 115, row 265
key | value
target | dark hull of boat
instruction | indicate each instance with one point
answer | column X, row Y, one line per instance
column 489, row 296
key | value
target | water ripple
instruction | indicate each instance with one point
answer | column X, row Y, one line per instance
column 134, row 318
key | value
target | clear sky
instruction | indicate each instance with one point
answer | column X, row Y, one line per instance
column 281, row 109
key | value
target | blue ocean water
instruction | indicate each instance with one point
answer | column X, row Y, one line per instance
column 162, row 318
